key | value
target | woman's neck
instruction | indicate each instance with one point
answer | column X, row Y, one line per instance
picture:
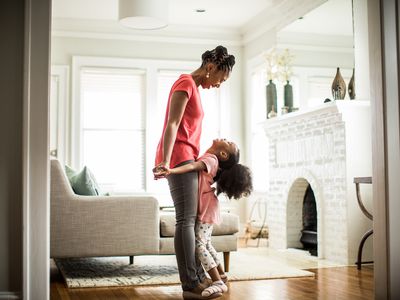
column 197, row 76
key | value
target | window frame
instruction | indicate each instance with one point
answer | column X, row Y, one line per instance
column 61, row 74
column 151, row 68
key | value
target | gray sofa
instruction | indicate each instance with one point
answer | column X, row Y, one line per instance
column 93, row 226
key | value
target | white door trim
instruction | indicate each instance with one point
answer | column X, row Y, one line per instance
column 36, row 208
column 61, row 72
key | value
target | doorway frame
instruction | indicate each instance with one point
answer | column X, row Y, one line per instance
column 36, row 208
column 35, row 152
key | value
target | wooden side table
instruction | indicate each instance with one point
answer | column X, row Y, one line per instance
column 358, row 181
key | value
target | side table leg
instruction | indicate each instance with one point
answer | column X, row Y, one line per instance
column 360, row 247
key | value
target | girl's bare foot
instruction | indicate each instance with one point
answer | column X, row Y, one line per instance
column 215, row 288
column 224, row 278
column 196, row 293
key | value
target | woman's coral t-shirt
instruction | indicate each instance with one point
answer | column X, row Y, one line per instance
column 187, row 142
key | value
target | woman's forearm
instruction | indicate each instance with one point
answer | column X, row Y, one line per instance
column 177, row 107
column 169, row 141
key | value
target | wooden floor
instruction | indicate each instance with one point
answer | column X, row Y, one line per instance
column 329, row 283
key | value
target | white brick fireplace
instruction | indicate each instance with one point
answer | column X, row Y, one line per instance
column 325, row 147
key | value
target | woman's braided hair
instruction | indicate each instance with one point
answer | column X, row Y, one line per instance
column 220, row 57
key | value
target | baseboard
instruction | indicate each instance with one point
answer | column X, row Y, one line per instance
column 10, row 295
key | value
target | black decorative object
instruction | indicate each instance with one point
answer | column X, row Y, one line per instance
column 352, row 90
column 338, row 86
column 288, row 96
column 272, row 103
column 309, row 235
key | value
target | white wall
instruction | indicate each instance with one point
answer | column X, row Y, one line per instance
column 360, row 15
column 315, row 54
column 63, row 48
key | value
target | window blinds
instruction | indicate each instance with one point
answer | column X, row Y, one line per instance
column 113, row 130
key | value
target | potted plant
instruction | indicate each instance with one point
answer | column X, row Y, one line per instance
column 271, row 59
column 285, row 72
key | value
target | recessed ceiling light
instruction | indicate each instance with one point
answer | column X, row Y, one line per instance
column 200, row 10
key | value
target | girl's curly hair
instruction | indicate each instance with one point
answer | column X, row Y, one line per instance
column 220, row 57
column 234, row 179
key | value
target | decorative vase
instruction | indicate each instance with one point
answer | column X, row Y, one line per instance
column 288, row 96
column 272, row 103
column 352, row 91
column 272, row 113
column 338, row 86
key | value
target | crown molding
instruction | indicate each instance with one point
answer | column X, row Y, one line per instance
column 276, row 16
column 315, row 42
column 112, row 30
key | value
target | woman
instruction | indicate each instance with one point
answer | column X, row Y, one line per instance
column 179, row 145
column 220, row 165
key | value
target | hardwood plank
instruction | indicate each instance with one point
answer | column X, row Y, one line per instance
column 329, row 283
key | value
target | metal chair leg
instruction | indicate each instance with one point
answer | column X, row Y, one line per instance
column 360, row 248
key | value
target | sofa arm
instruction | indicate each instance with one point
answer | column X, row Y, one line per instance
column 83, row 226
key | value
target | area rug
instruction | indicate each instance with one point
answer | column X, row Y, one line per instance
column 245, row 264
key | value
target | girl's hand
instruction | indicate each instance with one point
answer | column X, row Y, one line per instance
column 161, row 171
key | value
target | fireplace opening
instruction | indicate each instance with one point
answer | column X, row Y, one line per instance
column 309, row 235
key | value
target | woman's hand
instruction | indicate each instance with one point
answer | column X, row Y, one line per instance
column 161, row 170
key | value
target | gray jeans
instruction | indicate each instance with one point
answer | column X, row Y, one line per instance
column 184, row 192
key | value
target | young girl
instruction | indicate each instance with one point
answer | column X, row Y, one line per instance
column 219, row 164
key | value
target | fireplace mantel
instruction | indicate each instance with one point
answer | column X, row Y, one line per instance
column 317, row 111
column 326, row 147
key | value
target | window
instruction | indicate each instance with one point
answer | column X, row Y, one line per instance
column 211, row 127
column 118, row 113
column 113, row 132
column 259, row 146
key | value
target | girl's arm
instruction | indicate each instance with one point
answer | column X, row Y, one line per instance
column 163, row 172
column 177, row 108
column 190, row 167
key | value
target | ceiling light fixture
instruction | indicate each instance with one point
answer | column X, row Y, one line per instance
column 143, row 14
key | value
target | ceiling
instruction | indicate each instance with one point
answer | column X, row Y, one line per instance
column 245, row 18
column 334, row 17
column 223, row 13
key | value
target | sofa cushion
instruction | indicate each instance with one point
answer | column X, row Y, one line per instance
column 229, row 225
column 82, row 182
